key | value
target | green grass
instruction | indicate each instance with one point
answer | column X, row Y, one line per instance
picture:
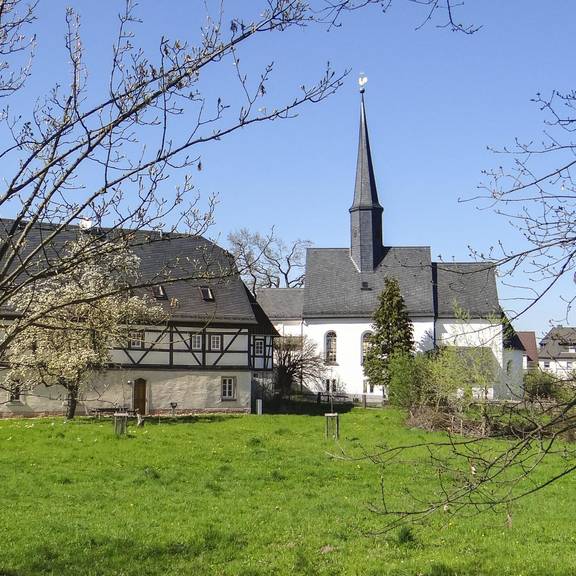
column 246, row 496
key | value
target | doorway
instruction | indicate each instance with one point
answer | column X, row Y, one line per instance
column 139, row 396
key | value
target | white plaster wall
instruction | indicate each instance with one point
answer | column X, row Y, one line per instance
column 560, row 368
column 348, row 370
column 471, row 333
column 196, row 390
column 512, row 384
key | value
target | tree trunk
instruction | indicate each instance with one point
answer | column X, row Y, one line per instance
column 72, row 403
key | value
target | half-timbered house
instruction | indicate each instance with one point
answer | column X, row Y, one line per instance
column 216, row 339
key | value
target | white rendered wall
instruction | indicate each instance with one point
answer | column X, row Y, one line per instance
column 470, row 334
column 198, row 390
column 513, row 376
column 348, row 370
column 560, row 368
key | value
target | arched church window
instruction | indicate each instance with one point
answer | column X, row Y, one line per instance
column 365, row 345
column 330, row 347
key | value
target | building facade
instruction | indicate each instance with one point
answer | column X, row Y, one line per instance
column 205, row 357
column 557, row 354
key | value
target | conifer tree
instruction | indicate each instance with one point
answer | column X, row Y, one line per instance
column 392, row 333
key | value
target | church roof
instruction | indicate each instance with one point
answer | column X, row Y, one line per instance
column 469, row 286
column 282, row 303
column 335, row 288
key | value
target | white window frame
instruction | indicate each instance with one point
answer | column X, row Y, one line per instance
column 136, row 339
column 196, row 342
column 257, row 343
column 569, row 365
column 228, row 388
column 364, row 346
column 330, row 352
column 217, row 348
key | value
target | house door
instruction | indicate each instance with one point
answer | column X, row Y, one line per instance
column 139, row 396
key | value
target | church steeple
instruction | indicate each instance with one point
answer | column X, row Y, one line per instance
column 365, row 212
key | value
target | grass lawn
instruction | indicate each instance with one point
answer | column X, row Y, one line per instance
column 245, row 496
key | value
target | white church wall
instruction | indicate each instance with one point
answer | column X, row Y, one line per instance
column 512, row 387
column 348, row 370
column 471, row 333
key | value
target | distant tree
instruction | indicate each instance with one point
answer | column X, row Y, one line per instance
column 268, row 261
column 70, row 327
column 392, row 333
column 297, row 363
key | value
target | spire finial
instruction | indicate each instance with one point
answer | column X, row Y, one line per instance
column 362, row 81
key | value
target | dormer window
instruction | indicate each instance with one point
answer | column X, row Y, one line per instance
column 207, row 294
column 159, row 292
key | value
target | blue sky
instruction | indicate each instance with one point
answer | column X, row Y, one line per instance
column 435, row 101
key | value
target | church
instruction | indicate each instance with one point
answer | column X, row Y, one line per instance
column 450, row 304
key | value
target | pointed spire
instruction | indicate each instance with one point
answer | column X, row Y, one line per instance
column 366, row 212
column 365, row 192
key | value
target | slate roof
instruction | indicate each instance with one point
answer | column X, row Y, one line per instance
column 282, row 303
column 471, row 286
column 169, row 257
column 528, row 340
column 334, row 286
column 555, row 345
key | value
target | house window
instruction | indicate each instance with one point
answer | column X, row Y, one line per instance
column 159, row 292
column 207, row 294
column 365, row 345
column 15, row 393
column 216, row 342
column 136, row 340
column 228, row 388
column 568, row 365
column 330, row 347
column 259, row 347
column 572, row 350
column 546, row 364
column 196, row 341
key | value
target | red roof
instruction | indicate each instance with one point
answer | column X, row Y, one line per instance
column 528, row 340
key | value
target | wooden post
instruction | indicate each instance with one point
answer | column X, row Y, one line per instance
column 332, row 425
column 364, row 403
column 120, row 423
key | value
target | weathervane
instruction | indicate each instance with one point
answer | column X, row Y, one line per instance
column 362, row 81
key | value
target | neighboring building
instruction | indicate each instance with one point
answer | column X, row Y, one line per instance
column 557, row 353
column 530, row 360
column 205, row 357
column 336, row 306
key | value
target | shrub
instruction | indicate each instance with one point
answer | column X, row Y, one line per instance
column 408, row 377
column 539, row 384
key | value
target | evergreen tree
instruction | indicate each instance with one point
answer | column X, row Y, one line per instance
column 392, row 333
